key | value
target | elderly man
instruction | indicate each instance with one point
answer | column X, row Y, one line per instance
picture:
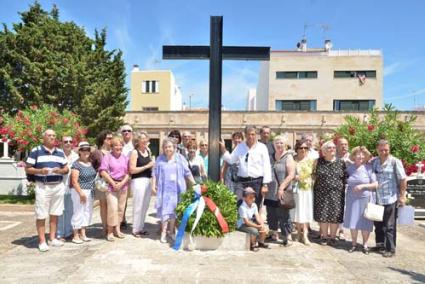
column 342, row 150
column 48, row 164
column 312, row 154
column 392, row 184
column 64, row 229
column 254, row 164
column 265, row 133
column 182, row 148
column 127, row 136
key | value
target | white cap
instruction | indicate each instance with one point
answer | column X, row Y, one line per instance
column 83, row 144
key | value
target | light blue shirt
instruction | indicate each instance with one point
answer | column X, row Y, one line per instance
column 389, row 174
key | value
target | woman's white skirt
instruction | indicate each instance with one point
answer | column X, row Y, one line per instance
column 303, row 206
column 82, row 211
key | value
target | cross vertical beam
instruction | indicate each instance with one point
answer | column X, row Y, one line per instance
column 214, row 130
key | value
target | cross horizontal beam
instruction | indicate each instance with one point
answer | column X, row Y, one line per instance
column 203, row 52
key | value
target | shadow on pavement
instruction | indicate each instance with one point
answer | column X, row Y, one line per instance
column 416, row 277
column 28, row 242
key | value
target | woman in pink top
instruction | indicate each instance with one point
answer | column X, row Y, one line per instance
column 114, row 169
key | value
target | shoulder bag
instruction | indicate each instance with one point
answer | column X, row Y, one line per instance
column 287, row 200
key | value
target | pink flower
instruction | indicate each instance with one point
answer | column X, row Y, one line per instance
column 415, row 148
column 4, row 139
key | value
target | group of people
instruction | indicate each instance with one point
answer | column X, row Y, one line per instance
column 330, row 186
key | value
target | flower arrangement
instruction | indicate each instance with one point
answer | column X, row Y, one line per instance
column 24, row 130
column 407, row 143
column 208, row 225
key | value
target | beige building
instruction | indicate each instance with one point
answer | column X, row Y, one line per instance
column 154, row 91
column 321, row 79
column 293, row 124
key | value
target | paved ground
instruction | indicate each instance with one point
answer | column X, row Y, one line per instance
column 148, row 261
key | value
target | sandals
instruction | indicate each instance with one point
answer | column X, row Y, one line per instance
column 254, row 248
column 263, row 245
column 365, row 250
column 352, row 249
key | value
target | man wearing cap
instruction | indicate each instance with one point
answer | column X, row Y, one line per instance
column 64, row 229
column 127, row 135
column 48, row 164
column 254, row 164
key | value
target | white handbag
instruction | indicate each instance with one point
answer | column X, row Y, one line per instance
column 374, row 212
column 100, row 184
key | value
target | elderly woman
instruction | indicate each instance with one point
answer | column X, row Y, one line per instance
column 329, row 192
column 141, row 164
column 203, row 153
column 196, row 164
column 83, row 175
column 114, row 169
column 361, row 181
column 304, row 190
column 283, row 172
column 103, row 143
column 170, row 174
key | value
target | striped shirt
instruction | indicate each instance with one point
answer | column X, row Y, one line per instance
column 40, row 158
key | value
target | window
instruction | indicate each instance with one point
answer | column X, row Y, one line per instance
column 303, row 105
column 353, row 105
column 296, row 74
column 150, row 86
column 355, row 74
column 150, row 108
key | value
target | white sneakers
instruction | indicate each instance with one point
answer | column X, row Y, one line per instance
column 56, row 243
column 43, row 247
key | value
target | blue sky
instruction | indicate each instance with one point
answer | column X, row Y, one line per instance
column 140, row 27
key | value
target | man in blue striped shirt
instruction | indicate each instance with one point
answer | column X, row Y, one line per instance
column 48, row 165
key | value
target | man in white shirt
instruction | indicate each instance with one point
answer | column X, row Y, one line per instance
column 127, row 135
column 254, row 164
column 312, row 154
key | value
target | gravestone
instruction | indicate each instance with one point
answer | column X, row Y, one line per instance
column 416, row 189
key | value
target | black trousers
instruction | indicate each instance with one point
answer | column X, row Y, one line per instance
column 279, row 217
column 255, row 184
column 386, row 231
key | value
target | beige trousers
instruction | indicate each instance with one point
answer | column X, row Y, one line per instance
column 116, row 204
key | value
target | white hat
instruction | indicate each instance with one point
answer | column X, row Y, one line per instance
column 126, row 127
column 83, row 145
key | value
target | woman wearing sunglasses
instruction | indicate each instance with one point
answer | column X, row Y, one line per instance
column 83, row 175
column 304, row 197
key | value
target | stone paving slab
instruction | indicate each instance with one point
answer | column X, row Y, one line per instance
column 146, row 260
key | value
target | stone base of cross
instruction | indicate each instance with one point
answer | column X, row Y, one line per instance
column 5, row 149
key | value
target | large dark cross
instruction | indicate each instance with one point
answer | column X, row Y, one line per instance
column 216, row 52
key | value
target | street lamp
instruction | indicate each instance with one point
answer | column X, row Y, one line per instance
column 190, row 101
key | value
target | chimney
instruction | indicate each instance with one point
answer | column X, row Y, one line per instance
column 135, row 68
column 328, row 45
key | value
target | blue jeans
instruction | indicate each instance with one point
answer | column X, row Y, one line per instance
column 64, row 228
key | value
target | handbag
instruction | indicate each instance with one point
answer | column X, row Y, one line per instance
column 101, row 184
column 287, row 200
column 374, row 212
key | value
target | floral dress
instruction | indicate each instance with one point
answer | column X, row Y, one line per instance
column 329, row 191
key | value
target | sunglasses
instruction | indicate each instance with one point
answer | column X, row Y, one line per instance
column 303, row 148
column 85, row 150
column 246, row 157
column 124, row 131
column 67, row 142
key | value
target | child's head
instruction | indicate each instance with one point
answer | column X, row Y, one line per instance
column 248, row 195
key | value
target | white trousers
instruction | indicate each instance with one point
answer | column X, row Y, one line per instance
column 83, row 212
column 141, row 188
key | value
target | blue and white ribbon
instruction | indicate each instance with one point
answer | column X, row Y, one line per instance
column 186, row 215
